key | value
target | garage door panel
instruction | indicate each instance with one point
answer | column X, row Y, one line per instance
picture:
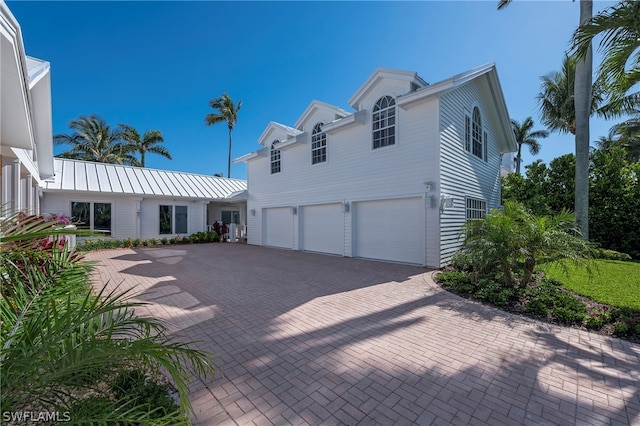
column 278, row 227
column 322, row 228
column 390, row 230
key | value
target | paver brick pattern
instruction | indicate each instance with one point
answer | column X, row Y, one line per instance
column 302, row 338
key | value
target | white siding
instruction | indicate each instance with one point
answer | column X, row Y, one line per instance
column 123, row 210
column 462, row 173
column 353, row 170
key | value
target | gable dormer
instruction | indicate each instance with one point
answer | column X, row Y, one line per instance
column 386, row 82
column 319, row 112
column 285, row 135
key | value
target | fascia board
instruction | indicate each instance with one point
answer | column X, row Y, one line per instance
column 359, row 117
column 273, row 127
column 407, row 101
column 318, row 105
column 379, row 74
column 246, row 157
column 503, row 112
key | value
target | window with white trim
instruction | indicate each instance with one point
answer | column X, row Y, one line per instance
column 275, row 158
column 173, row 219
column 92, row 215
column 384, row 122
column 476, row 209
column 318, row 145
column 475, row 140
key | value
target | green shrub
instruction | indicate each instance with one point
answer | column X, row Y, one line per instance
column 549, row 298
column 153, row 242
column 164, row 241
column 185, row 240
column 456, row 280
column 493, row 292
column 569, row 315
column 598, row 318
column 100, row 244
column 610, row 255
column 127, row 242
column 134, row 386
column 137, row 242
column 145, row 243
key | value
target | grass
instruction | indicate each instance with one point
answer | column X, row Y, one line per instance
column 612, row 282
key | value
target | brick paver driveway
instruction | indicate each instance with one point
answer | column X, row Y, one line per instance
column 302, row 338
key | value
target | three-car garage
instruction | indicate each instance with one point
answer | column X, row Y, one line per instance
column 388, row 229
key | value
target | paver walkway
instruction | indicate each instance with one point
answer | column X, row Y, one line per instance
column 303, row 338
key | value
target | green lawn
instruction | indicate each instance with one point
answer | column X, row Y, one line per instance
column 612, row 282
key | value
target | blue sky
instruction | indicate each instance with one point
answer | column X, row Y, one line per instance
column 155, row 65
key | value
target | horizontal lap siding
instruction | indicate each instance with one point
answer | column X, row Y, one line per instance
column 462, row 173
column 353, row 171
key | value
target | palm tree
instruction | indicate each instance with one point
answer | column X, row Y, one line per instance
column 626, row 135
column 149, row 142
column 618, row 25
column 227, row 111
column 582, row 101
column 557, row 101
column 94, row 140
column 525, row 136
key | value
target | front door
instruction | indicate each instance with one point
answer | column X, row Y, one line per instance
column 231, row 216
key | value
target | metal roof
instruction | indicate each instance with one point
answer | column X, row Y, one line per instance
column 90, row 177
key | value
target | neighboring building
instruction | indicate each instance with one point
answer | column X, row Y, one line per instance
column 133, row 202
column 395, row 180
column 26, row 149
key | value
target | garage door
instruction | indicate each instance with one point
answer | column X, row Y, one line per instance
column 390, row 230
column 322, row 228
column 278, row 227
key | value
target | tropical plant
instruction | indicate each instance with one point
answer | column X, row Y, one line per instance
column 513, row 241
column 626, row 135
column 526, row 136
column 149, row 142
column 226, row 111
column 583, row 99
column 620, row 44
column 60, row 342
column 94, row 140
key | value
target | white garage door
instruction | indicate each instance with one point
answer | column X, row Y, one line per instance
column 322, row 228
column 390, row 230
column 278, row 227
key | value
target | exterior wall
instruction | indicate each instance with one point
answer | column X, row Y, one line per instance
column 123, row 210
column 150, row 216
column 354, row 171
column 462, row 173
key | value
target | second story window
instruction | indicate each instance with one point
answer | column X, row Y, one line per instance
column 475, row 140
column 318, row 145
column 384, row 122
column 275, row 158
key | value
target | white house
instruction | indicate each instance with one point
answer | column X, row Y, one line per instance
column 395, row 180
column 133, row 202
column 26, row 150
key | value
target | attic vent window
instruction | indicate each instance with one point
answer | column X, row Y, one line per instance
column 414, row 87
column 384, row 122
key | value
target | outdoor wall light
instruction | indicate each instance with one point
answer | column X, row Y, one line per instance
column 447, row 201
column 253, row 212
column 428, row 186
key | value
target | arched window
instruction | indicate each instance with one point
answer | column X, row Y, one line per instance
column 318, row 145
column 384, row 122
column 476, row 134
column 275, row 158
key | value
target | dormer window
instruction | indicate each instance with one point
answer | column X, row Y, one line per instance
column 275, row 158
column 384, row 122
column 318, row 145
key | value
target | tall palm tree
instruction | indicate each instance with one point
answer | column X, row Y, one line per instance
column 525, row 136
column 226, row 111
column 620, row 44
column 94, row 140
column 149, row 142
column 557, row 100
column 627, row 135
column 582, row 101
